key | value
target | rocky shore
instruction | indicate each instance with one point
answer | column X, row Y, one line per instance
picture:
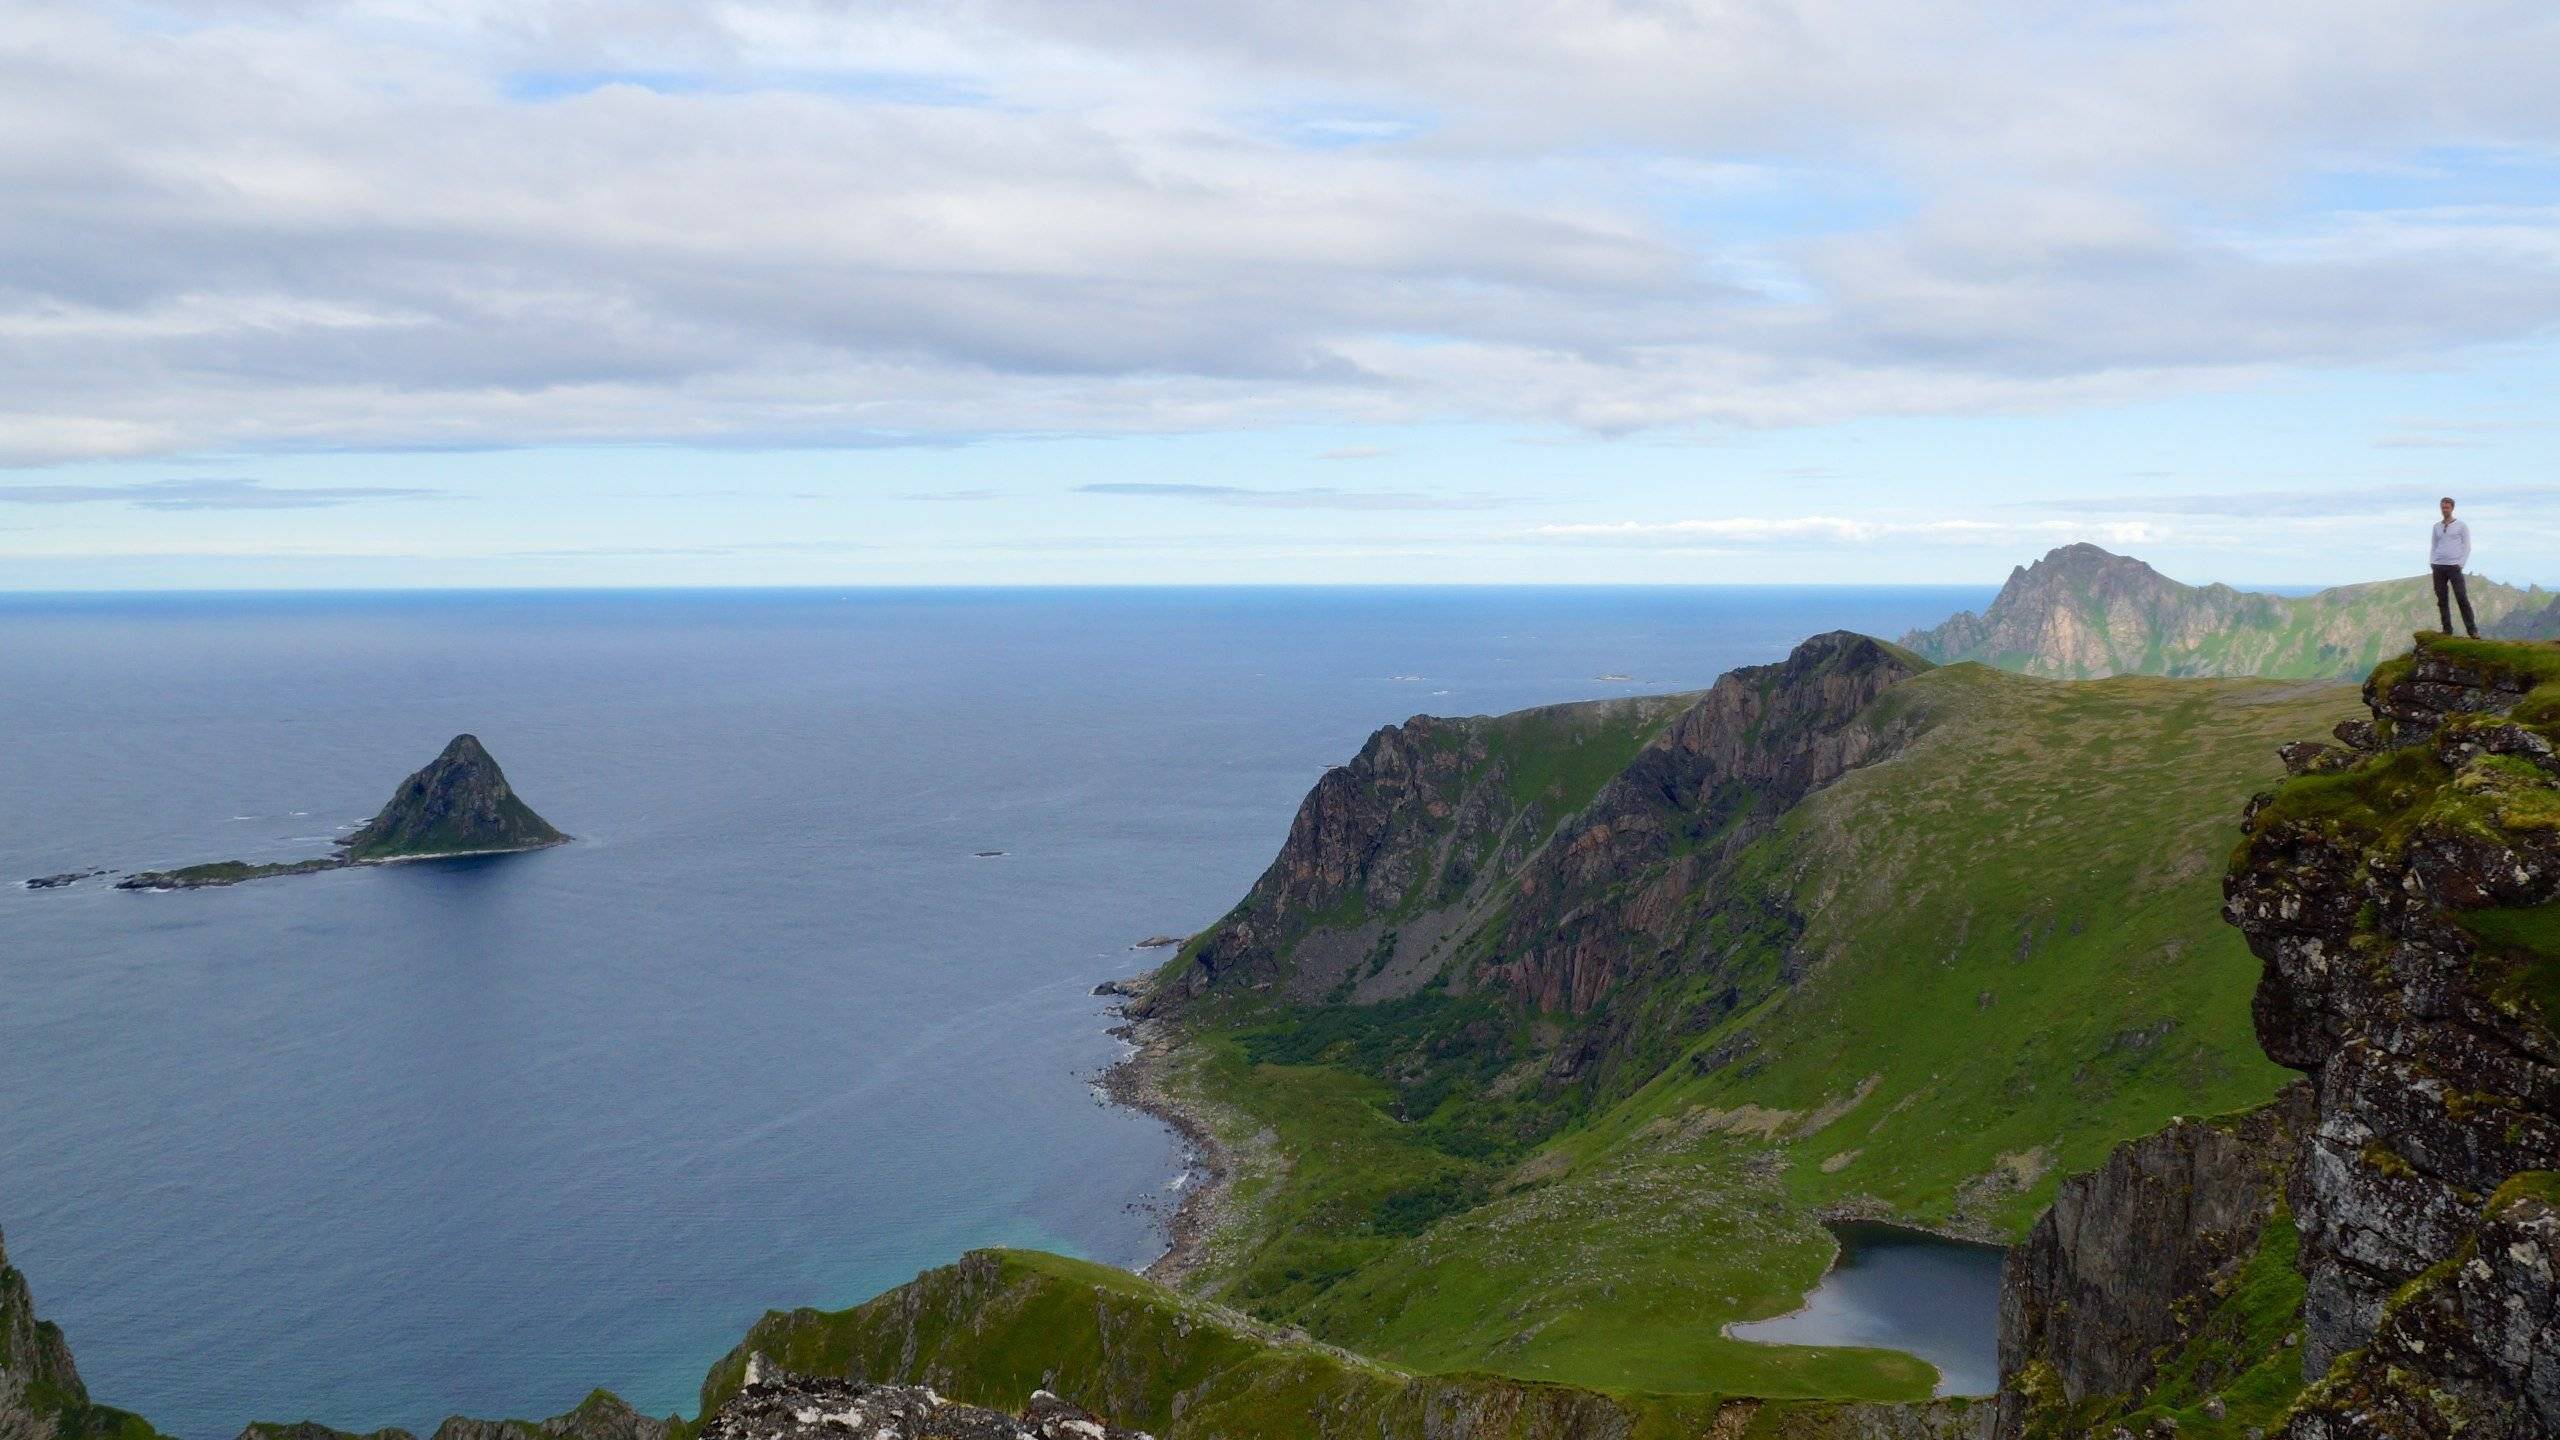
column 67, row 877
column 1139, row 1082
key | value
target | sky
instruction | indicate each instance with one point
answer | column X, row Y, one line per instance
column 983, row 292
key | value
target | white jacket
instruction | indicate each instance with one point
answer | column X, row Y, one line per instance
column 2452, row 543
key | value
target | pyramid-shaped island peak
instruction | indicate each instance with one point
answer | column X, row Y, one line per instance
column 460, row 804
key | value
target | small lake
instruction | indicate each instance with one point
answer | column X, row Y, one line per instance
column 1905, row 1290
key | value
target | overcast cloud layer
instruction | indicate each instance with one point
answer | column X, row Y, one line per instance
column 236, row 227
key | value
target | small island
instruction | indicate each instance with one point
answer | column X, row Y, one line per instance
column 460, row 804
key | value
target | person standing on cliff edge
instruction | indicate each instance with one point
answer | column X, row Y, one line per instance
column 2448, row 550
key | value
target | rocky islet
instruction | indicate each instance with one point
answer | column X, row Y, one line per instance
column 459, row 804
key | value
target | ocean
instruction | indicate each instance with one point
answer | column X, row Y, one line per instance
column 380, row 1145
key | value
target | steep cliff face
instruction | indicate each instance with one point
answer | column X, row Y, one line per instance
column 2401, row 894
column 1615, row 890
column 2137, row 1263
column 2082, row 612
column 41, row 1395
column 1559, row 847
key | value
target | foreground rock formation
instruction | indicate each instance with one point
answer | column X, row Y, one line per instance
column 805, row 1408
column 2397, row 894
column 2403, row 892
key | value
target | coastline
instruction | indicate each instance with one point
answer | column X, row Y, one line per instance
column 1137, row 1081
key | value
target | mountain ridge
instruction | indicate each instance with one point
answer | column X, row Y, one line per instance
column 2082, row 612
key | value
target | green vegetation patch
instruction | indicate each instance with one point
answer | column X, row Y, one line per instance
column 1558, row 758
column 2524, row 942
column 223, row 872
column 2530, row 1186
column 2013, row 956
column 1441, row 1057
column 2239, row 1354
column 1003, row 1323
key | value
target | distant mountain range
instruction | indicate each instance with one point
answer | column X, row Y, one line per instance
column 2082, row 612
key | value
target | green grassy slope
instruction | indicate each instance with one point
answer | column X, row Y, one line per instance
column 2009, row 958
column 1002, row 1323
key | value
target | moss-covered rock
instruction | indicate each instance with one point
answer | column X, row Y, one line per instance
column 2406, row 909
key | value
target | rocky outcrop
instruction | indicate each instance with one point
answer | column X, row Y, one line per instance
column 2120, row 1270
column 1853, row 1420
column 33, row 1350
column 2397, row 905
column 460, row 804
column 1443, row 848
column 797, row 1408
column 2082, row 612
column 1364, row 842
column 1615, row 889
column 2468, row 1348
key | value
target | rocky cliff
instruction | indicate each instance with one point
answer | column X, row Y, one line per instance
column 2163, row 1276
column 2402, row 892
column 459, row 804
column 2082, row 612
column 1615, row 890
column 1540, row 855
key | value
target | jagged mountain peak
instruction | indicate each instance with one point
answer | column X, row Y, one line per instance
column 2082, row 557
column 2083, row 612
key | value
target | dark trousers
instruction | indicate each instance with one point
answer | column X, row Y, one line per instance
column 2451, row 575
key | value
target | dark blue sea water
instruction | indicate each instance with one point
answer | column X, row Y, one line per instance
column 380, row 1145
column 1904, row 1290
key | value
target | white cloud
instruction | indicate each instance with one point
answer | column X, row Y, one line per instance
column 281, row 225
column 1837, row 530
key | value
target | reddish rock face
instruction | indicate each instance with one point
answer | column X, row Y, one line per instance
column 1756, row 743
column 1423, row 841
